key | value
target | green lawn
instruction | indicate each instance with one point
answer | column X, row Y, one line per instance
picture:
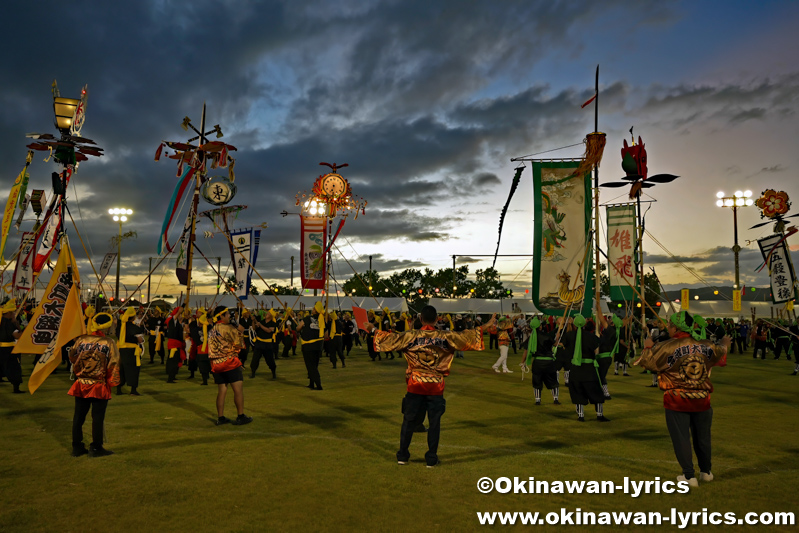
column 324, row 460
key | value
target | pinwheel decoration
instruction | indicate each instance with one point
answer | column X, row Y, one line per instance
column 633, row 162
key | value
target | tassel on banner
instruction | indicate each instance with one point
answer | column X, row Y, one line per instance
column 159, row 151
column 594, row 148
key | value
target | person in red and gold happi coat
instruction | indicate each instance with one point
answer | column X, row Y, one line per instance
column 95, row 362
column 225, row 341
column 683, row 364
column 429, row 353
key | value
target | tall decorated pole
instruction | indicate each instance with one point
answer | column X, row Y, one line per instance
column 193, row 164
column 331, row 197
column 597, row 288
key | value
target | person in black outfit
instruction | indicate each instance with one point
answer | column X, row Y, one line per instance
column 312, row 331
column 155, row 326
column 460, row 325
column 174, row 332
column 245, row 320
column 289, row 329
column 584, row 384
column 608, row 345
column 10, row 331
column 264, row 327
column 761, row 339
column 348, row 330
column 370, row 338
column 540, row 359
column 130, row 338
column 333, row 342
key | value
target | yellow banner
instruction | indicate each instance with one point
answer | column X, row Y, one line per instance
column 684, row 299
column 44, row 325
column 789, row 306
column 736, row 300
column 71, row 326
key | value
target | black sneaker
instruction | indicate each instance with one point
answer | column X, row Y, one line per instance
column 77, row 452
column 402, row 462
column 437, row 463
column 537, row 404
column 581, row 419
column 556, row 402
column 222, row 420
column 99, row 452
column 420, row 429
column 603, row 419
column 241, row 420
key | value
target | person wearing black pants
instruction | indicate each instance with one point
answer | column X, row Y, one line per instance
column 312, row 331
column 761, row 340
column 335, row 343
column 130, row 337
column 264, row 345
column 155, row 325
column 684, row 362
column 176, row 345
column 685, row 428
column 415, row 406
column 349, row 331
column 95, row 362
column 289, row 325
column 245, row 321
column 10, row 331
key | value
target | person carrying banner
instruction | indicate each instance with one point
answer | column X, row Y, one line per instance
column 584, row 384
column 95, row 362
column 683, row 365
column 10, row 331
column 429, row 354
column 349, row 329
column 539, row 357
column 312, row 336
column 130, row 338
column 224, row 345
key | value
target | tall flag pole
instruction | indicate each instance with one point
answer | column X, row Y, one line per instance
column 194, row 206
column 596, row 198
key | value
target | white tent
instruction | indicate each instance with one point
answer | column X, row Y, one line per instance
column 723, row 309
column 483, row 306
column 395, row 305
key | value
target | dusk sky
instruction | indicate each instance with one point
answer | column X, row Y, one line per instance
column 427, row 102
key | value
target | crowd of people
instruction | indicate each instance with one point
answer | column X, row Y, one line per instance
column 216, row 343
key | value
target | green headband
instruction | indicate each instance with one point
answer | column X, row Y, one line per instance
column 680, row 321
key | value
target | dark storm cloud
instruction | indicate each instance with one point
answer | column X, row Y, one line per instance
column 396, row 89
column 730, row 102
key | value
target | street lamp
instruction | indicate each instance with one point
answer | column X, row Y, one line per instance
column 739, row 199
column 120, row 215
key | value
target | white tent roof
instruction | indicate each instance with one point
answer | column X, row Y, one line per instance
column 396, row 305
column 484, row 306
column 723, row 309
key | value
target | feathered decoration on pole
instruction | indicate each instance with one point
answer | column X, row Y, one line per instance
column 594, row 148
column 513, row 187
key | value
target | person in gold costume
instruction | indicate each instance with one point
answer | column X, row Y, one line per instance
column 225, row 342
column 95, row 362
column 683, row 365
column 429, row 354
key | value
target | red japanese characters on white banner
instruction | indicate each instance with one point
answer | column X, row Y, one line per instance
column 621, row 251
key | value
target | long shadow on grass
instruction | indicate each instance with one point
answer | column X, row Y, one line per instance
column 46, row 417
column 175, row 400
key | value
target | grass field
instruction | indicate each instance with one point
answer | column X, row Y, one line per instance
column 324, row 460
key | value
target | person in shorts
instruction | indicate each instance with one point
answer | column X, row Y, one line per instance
column 225, row 341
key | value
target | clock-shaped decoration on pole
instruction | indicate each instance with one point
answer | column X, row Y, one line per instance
column 331, row 195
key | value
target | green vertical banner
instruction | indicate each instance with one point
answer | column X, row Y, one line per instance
column 563, row 276
column 622, row 246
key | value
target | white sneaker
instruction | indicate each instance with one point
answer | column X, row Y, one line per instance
column 496, row 369
column 706, row 477
column 693, row 482
column 506, row 371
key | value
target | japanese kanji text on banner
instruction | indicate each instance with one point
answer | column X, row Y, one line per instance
column 621, row 249
column 43, row 326
column 312, row 247
column 776, row 255
column 245, row 243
